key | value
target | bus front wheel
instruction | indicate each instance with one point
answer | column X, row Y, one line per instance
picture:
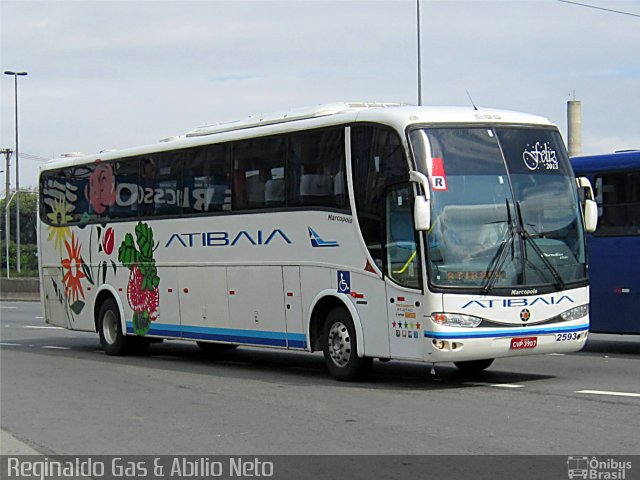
column 340, row 347
column 473, row 366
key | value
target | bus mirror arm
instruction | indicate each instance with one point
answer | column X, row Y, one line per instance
column 422, row 204
column 590, row 206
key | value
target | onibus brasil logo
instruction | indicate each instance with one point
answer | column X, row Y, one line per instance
column 593, row 468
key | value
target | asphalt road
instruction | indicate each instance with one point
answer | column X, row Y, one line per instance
column 60, row 394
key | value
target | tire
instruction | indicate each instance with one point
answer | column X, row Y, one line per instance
column 112, row 339
column 215, row 348
column 340, row 348
column 474, row 366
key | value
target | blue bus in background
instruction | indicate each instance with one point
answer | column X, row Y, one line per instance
column 614, row 248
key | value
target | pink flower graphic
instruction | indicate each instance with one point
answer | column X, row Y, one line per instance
column 101, row 189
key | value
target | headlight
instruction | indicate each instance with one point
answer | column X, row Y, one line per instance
column 455, row 320
column 575, row 313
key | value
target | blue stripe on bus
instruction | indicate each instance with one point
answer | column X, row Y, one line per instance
column 506, row 332
column 251, row 337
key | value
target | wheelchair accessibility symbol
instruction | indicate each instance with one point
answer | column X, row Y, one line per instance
column 344, row 282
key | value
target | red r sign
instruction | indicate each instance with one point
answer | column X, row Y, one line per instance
column 438, row 177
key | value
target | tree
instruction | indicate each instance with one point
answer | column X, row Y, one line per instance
column 28, row 217
column 28, row 239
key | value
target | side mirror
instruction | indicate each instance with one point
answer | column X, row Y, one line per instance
column 590, row 207
column 422, row 203
column 590, row 216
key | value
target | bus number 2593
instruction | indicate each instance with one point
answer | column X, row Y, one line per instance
column 563, row 337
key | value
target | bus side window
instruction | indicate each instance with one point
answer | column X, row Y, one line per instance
column 316, row 169
column 618, row 197
column 207, row 178
column 258, row 167
column 78, row 195
column 127, row 196
column 56, row 208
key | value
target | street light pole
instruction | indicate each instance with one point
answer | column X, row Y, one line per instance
column 419, row 53
column 15, row 91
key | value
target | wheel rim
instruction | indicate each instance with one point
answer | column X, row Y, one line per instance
column 110, row 327
column 339, row 343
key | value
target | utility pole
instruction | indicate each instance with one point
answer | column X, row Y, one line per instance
column 7, row 155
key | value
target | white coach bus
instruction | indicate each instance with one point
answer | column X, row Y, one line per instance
column 362, row 230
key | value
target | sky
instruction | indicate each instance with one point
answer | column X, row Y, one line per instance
column 115, row 74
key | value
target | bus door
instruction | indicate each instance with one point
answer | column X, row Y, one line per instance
column 403, row 273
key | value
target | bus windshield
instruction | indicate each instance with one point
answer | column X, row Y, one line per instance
column 505, row 211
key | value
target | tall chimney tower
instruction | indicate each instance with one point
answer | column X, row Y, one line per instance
column 574, row 126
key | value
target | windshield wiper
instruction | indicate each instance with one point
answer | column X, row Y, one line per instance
column 527, row 237
column 501, row 255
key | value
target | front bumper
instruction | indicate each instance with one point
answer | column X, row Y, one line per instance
column 455, row 345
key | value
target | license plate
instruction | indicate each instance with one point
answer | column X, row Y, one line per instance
column 524, row 342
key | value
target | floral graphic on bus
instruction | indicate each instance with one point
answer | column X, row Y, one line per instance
column 59, row 216
column 72, row 268
column 108, row 241
column 142, row 289
column 101, row 191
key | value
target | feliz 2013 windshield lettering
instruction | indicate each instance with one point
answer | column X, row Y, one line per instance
column 540, row 156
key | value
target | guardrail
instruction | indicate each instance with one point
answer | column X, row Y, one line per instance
column 22, row 289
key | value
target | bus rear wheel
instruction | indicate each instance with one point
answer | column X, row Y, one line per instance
column 474, row 366
column 340, row 347
column 112, row 339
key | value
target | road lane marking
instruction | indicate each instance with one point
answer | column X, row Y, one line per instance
column 38, row 318
column 556, row 354
column 496, row 385
column 7, row 344
column 604, row 392
column 8, row 308
column 55, row 347
column 41, row 327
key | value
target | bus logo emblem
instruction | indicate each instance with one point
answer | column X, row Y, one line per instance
column 525, row 315
column 318, row 242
